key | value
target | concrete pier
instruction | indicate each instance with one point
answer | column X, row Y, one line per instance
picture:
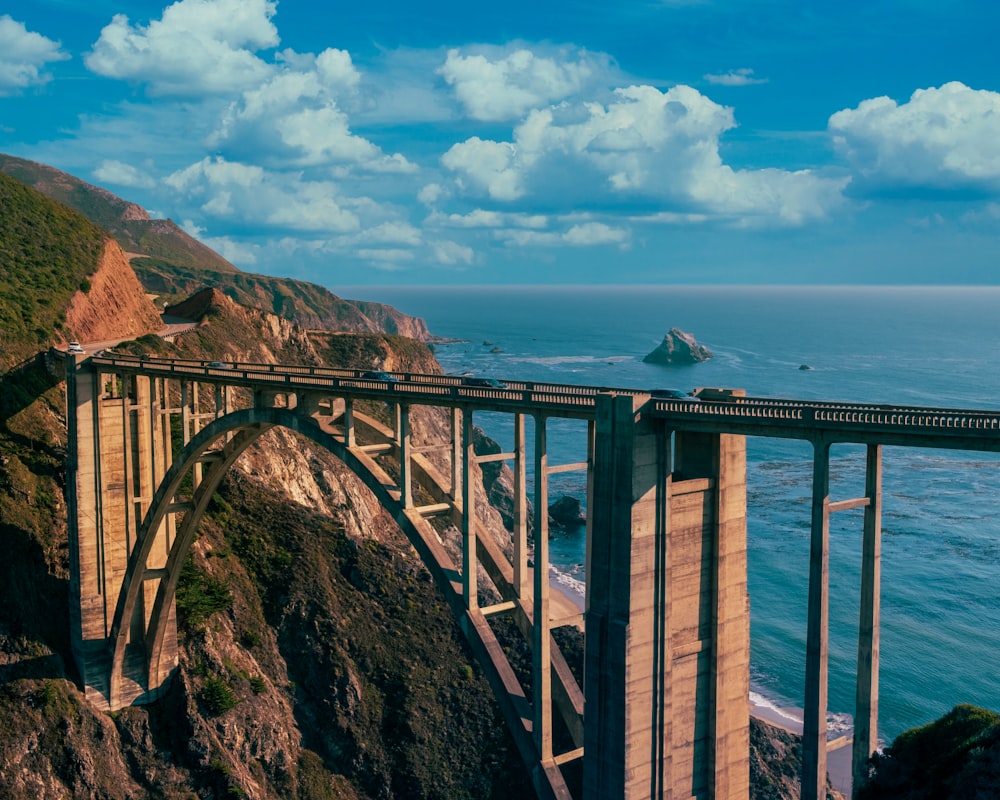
column 668, row 637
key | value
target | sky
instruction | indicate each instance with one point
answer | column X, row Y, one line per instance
column 549, row 142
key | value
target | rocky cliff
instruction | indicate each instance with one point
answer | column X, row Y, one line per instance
column 114, row 304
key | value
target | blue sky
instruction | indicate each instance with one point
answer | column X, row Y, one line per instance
column 648, row 142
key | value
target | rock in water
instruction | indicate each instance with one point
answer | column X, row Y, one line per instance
column 678, row 347
column 566, row 513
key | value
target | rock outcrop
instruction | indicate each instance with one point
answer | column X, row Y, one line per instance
column 677, row 348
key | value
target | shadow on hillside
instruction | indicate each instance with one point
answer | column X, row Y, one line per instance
column 34, row 610
column 24, row 383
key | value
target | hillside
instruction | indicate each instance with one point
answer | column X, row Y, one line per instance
column 61, row 278
column 173, row 265
column 129, row 224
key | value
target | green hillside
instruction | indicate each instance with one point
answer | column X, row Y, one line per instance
column 129, row 224
column 46, row 253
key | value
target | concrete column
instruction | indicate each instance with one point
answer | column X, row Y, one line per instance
column 405, row 454
column 540, row 641
column 866, row 705
column 668, row 637
column 349, row 439
column 456, row 453
column 624, row 603
column 469, row 557
column 520, row 509
column 817, row 632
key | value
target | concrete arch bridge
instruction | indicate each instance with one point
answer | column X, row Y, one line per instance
column 663, row 709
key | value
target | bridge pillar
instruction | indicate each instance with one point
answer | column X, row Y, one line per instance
column 119, row 441
column 667, row 663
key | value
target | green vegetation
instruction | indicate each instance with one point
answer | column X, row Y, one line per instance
column 46, row 253
column 216, row 696
column 957, row 757
column 199, row 595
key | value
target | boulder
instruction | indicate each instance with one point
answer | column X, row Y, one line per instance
column 678, row 347
column 565, row 513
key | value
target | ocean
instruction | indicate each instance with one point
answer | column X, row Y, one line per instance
column 941, row 509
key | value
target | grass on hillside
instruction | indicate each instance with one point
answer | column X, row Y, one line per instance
column 46, row 253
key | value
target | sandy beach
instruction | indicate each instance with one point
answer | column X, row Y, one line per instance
column 838, row 759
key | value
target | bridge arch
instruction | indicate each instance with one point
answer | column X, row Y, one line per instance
column 240, row 429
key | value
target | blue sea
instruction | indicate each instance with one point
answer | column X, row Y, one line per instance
column 941, row 509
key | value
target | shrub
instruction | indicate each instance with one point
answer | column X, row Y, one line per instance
column 216, row 696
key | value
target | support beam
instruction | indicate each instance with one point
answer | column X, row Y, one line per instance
column 456, row 453
column 866, row 703
column 817, row 632
column 470, row 588
column 540, row 644
column 405, row 464
column 520, row 510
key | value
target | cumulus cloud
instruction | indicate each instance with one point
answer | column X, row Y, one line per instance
column 493, row 85
column 197, row 47
column 120, row 174
column 945, row 138
column 735, row 77
column 294, row 117
column 251, row 196
column 646, row 147
column 23, row 54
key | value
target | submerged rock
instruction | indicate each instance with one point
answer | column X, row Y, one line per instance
column 678, row 347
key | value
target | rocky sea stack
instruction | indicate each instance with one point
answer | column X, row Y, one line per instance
column 676, row 348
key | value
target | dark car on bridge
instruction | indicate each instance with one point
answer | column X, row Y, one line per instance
column 485, row 383
column 673, row 394
column 379, row 375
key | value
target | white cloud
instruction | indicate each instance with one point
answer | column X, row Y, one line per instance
column 485, row 218
column 248, row 195
column 452, row 253
column 197, row 47
column 294, row 118
column 430, row 194
column 645, row 146
column 493, row 85
column 943, row 138
column 121, row 174
column 488, row 165
column 22, row 56
column 391, row 255
column 735, row 77
column 587, row 234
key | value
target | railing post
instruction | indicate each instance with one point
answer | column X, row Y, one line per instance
column 866, row 706
column 817, row 633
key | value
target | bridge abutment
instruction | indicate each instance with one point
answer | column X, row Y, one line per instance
column 667, row 670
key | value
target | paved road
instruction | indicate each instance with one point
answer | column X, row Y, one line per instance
column 171, row 327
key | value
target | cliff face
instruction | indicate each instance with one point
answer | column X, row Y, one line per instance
column 114, row 306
